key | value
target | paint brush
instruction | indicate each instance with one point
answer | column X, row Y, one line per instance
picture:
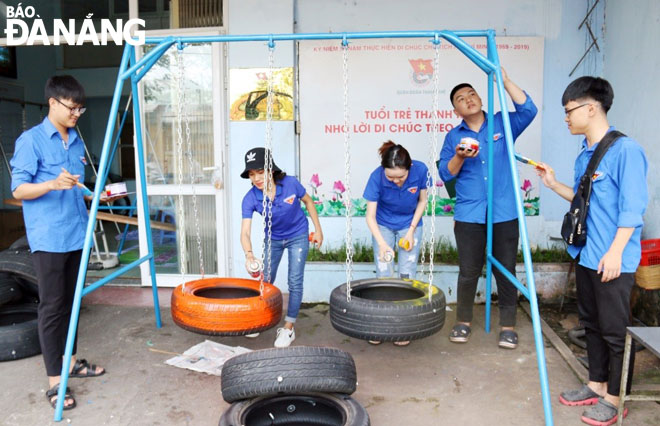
column 526, row 160
column 86, row 192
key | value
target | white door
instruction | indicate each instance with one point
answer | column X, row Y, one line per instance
column 203, row 188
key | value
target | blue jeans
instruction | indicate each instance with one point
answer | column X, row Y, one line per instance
column 407, row 259
column 298, row 247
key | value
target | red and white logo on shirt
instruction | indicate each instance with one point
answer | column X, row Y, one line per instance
column 83, row 160
column 290, row 199
column 412, row 189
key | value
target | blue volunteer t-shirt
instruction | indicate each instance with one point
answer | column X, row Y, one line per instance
column 288, row 218
column 472, row 179
column 56, row 221
column 619, row 196
column 396, row 206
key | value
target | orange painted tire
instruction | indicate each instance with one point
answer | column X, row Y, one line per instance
column 226, row 306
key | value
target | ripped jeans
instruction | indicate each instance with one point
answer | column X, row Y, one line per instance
column 298, row 247
column 407, row 259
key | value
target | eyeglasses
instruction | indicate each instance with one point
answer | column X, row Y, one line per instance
column 73, row 110
column 569, row 111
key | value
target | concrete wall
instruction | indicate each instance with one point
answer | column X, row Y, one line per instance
column 631, row 64
column 555, row 20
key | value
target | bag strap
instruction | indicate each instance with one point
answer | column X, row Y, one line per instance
column 604, row 144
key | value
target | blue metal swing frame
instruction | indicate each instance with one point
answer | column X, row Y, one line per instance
column 488, row 64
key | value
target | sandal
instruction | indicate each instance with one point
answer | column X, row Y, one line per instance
column 82, row 364
column 52, row 392
column 582, row 396
column 508, row 339
column 602, row 414
column 402, row 343
column 460, row 333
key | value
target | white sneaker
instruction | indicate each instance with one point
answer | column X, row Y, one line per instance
column 251, row 335
column 284, row 337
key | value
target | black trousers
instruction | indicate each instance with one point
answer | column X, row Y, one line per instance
column 56, row 275
column 471, row 245
column 604, row 310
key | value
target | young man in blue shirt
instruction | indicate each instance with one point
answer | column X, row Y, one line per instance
column 464, row 157
column 609, row 259
column 48, row 162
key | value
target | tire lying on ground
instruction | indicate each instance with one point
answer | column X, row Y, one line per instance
column 390, row 310
column 18, row 332
column 19, row 263
column 10, row 290
column 330, row 409
column 292, row 370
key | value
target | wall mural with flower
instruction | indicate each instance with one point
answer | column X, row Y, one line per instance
column 390, row 87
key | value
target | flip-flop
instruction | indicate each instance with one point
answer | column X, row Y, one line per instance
column 50, row 393
column 460, row 333
column 80, row 365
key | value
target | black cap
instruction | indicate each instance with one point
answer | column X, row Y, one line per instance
column 255, row 159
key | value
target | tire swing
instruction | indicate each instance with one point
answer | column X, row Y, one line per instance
column 388, row 309
column 221, row 306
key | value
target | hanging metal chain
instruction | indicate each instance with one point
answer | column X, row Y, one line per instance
column 24, row 118
column 191, row 166
column 269, row 181
column 434, row 154
column 179, row 131
column 348, row 202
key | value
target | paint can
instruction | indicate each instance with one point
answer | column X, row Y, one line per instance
column 469, row 144
column 254, row 268
column 116, row 189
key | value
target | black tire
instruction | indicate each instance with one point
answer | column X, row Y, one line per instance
column 18, row 332
column 20, row 244
column 10, row 290
column 298, row 369
column 19, row 263
column 389, row 310
column 303, row 409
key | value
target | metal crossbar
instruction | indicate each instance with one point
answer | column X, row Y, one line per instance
column 135, row 70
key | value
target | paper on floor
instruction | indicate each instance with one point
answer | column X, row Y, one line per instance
column 206, row 357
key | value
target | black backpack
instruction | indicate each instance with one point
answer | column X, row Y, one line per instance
column 574, row 227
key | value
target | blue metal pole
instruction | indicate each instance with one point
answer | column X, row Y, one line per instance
column 536, row 324
column 148, row 60
column 137, row 119
column 474, row 55
column 82, row 270
column 489, row 210
column 318, row 36
column 496, row 263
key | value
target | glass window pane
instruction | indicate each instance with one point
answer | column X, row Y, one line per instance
column 161, row 126
column 166, row 243
column 148, row 5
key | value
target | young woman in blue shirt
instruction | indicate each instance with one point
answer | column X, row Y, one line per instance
column 289, row 230
column 396, row 200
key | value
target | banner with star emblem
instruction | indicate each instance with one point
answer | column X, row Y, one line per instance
column 390, row 98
